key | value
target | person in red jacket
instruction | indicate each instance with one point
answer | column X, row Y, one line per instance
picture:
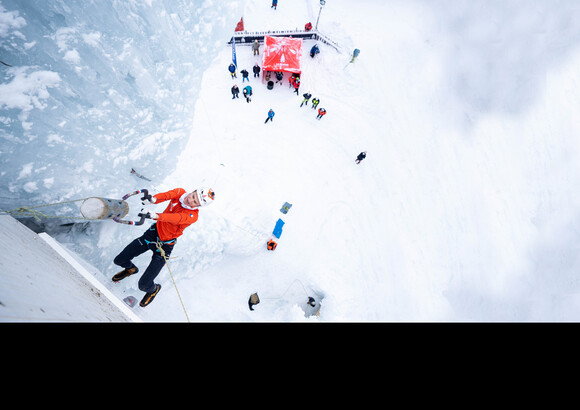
column 296, row 84
column 181, row 212
column 321, row 113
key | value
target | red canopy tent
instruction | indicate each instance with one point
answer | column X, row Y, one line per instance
column 282, row 54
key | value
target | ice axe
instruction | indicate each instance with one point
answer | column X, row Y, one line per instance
column 141, row 215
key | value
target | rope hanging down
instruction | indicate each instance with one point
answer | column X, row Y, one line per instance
column 160, row 249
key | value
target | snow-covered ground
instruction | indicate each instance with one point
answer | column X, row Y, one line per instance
column 465, row 208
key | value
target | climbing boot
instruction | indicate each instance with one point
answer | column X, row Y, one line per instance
column 124, row 273
column 148, row 298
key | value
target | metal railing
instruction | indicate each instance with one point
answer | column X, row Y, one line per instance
column 248, row 37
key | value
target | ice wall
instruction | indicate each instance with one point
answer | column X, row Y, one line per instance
column 42, row 282
column 90, row 89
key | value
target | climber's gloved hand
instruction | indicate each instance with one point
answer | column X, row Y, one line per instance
column 149, row 214
column 147, row 200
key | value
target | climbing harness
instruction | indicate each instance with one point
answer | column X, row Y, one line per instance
column 159, row 242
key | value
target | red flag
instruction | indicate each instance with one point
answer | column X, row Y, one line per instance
column 240, row 25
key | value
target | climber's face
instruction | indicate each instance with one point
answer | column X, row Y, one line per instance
column 192, row 200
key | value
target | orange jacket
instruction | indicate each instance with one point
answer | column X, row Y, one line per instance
column 175, row 218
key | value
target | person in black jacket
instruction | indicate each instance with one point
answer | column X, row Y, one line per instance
column 306, row 98
column 279, row 77
column 235, row 92
column 256, row 70
column 361, row 156
column 245, row 75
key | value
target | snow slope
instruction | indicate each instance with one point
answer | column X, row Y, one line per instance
column 464, row 210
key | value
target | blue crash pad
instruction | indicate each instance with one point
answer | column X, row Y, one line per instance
column 278, row 228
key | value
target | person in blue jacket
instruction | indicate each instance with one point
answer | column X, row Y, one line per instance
column 274, row 4
column 271, row 114
column 232, row 69
column 247, row 93
column 314, row 50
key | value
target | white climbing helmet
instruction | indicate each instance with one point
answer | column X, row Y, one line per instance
column 205, row 195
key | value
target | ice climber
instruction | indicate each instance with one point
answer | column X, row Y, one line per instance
column 181, row 212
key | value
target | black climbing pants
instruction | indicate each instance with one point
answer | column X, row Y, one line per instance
column 147, row 242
